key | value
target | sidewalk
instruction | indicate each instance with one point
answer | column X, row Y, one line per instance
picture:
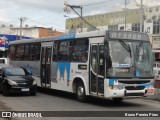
column 155, row 97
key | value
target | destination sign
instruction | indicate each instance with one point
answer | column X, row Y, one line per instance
column 127, row 35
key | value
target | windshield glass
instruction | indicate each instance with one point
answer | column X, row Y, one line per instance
column 130, row 59
column 14, row 72
column 121, row 54
column 143, row 59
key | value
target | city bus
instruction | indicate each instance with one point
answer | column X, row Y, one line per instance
column 107, row 64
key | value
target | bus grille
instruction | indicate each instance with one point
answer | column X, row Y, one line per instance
column 134, row 87
column 135, row 82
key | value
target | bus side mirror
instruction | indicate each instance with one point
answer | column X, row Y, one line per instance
column 106, row 53
column 107, row 57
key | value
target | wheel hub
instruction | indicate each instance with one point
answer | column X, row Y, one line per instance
column 80, row 91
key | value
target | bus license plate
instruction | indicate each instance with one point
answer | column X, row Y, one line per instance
column 25, row 89
column 150, row 90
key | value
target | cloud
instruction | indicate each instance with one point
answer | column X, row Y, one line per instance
column 51, row 12
column 58, row 6
column 3, row 17
column 133, row 4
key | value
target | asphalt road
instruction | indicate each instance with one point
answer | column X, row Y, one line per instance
column 60, row 101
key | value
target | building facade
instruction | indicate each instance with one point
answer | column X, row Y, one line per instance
column 34, row 32
column 10, row 33
column 128, row 19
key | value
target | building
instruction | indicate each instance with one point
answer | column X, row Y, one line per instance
column 34, row 32
column 122, row 20
column 10, row 33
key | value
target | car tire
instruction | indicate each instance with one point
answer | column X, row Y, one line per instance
column 5, row 90
column 80, row 93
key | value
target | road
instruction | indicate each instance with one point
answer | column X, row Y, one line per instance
column 59, row 101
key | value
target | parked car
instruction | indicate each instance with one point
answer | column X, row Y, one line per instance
column 16, row 80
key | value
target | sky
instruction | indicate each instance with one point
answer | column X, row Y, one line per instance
column 50, row 13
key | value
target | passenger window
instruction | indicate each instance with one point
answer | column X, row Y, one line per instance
column 94, row 58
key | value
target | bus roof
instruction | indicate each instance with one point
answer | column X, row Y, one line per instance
column 61, row 37
column 84, row 35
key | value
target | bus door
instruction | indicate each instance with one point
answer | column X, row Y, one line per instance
column 46, row 66
column 97, row 69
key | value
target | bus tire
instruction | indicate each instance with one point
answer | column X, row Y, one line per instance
column 80, row 93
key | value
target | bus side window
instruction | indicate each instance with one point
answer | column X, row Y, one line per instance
column 54, row 57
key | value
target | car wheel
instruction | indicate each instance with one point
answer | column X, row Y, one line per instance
column 80, row 93
column 5, row 90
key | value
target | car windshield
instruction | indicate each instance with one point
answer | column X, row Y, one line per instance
column 14, row 72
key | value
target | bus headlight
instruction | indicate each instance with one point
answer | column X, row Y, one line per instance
column 11, row 82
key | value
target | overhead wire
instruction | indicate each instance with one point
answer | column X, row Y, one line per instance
column 97, row 3
column 84, row 19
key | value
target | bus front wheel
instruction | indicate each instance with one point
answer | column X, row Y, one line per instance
column 80, row 93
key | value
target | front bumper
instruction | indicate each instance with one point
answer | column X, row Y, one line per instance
column 16, row 89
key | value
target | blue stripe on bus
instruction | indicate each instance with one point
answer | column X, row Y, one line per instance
column 62, row 67
column 111, row 82
column 66, row 36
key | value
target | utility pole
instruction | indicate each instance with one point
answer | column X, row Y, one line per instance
column 141, row 16
column 22, row 19
column 72, row 22
column 81, row 15
column 125, row 15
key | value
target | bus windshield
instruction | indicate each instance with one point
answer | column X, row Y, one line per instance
column 130, row 59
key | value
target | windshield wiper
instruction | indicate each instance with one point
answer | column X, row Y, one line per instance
column 125, row 45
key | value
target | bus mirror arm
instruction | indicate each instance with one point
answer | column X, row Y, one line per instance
column 107, row 55
column 106, row 52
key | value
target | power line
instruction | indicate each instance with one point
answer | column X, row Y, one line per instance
column 136, row 2
column 97, row 3
column 38, row 22
column 84, row 19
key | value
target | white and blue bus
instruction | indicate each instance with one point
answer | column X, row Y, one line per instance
column 109, row 64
